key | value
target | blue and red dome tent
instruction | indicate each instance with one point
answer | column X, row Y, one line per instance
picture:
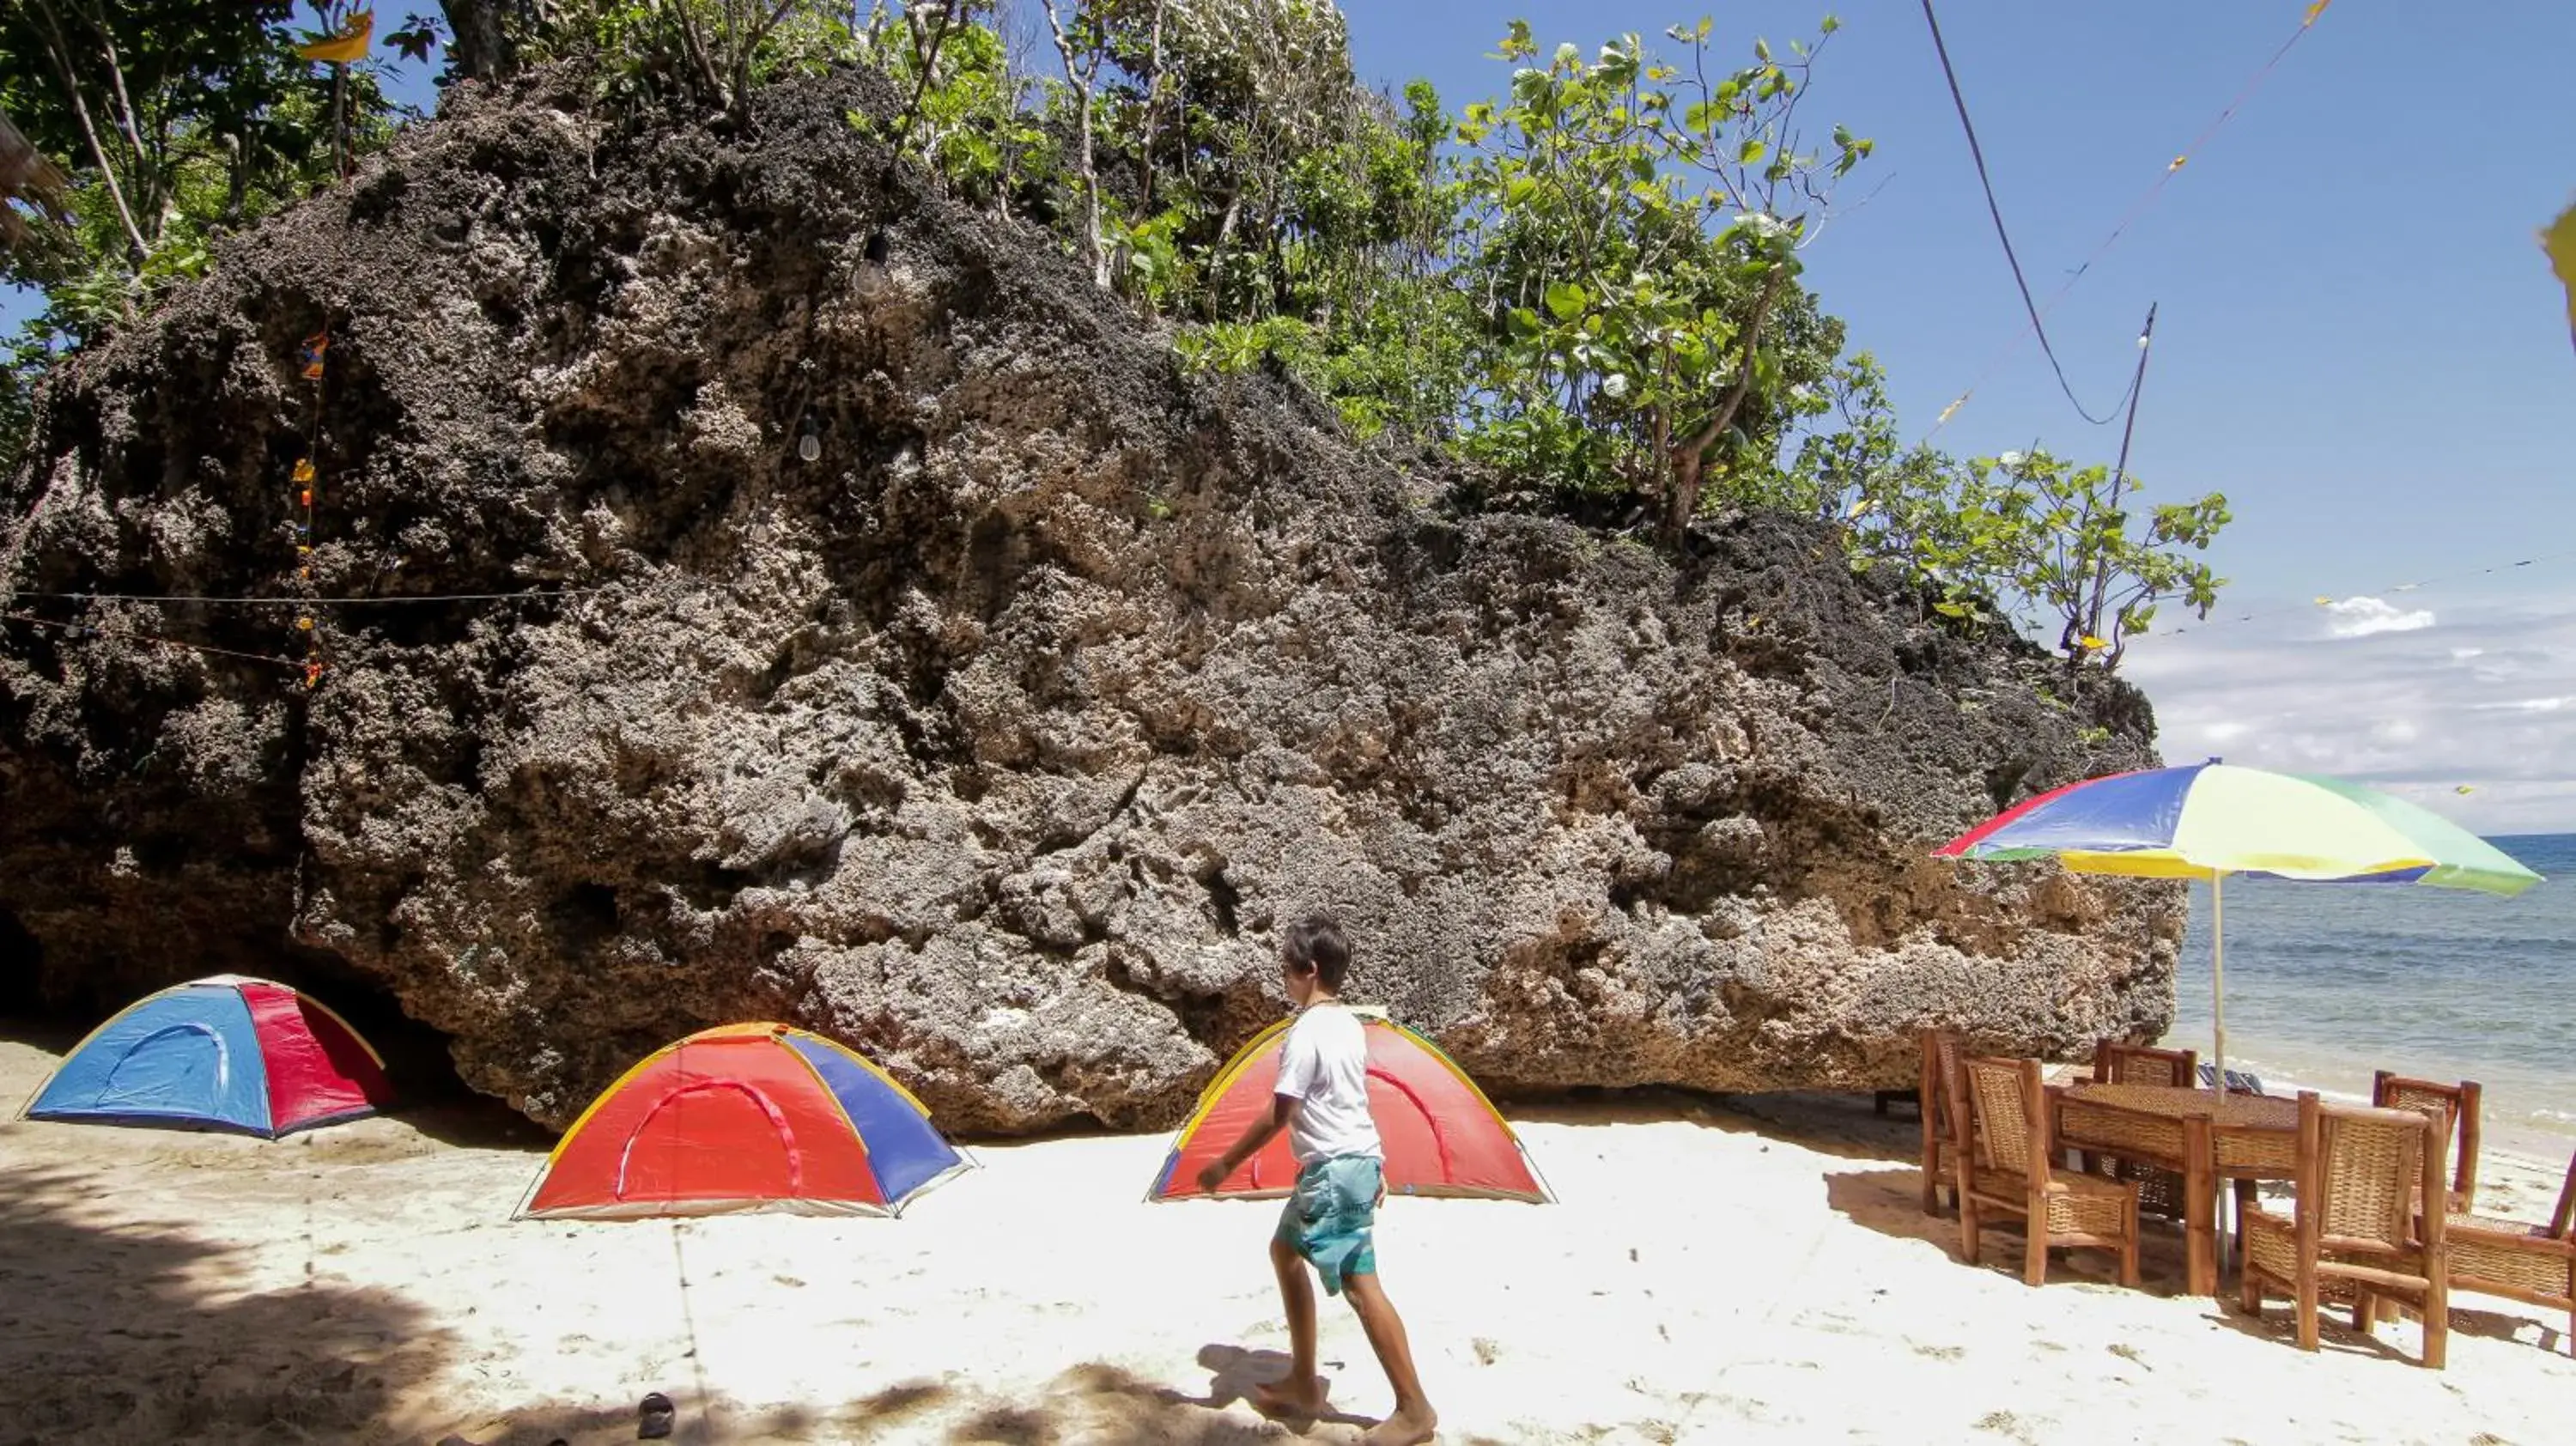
column 222, row 1053
column 741, row 1118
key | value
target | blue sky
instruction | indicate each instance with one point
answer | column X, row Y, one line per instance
column 2358, row 340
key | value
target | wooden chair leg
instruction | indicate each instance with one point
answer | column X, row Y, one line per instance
column 2307, row 1310
column 2365, row 1312
column 2034, row 1259
column 2249, row 1294
column 2129, row 1277
column 1968, row 1229
column 2437, row 1324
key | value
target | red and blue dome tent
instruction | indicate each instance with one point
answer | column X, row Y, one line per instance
column 1440, row 1134
column 743, row 1118
column 221, row 1053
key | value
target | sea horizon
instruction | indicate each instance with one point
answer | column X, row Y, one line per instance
column 2327, row 983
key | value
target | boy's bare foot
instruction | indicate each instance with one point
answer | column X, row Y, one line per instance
column 1404, row 1428
column 1282, row 1398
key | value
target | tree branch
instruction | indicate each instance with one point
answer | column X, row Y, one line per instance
column 58, row 49
column 1684, row 470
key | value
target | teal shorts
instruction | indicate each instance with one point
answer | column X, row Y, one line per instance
column 1330, row 1217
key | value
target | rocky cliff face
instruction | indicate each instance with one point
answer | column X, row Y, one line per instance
column 1000, row 736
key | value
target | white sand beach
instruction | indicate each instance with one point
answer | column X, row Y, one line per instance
column 1759, row 1272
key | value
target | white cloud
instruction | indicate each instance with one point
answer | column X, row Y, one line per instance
column 2485, row 702
column 2359, row 617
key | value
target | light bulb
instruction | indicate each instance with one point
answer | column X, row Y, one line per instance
column 809, row 447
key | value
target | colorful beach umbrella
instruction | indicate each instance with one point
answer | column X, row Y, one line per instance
column 2212, row 820
column 742, row 1118
column 1440, row 1134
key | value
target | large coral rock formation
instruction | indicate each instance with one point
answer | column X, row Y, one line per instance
column 1001, row 738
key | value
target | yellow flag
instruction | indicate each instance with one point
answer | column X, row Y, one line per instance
column 2560, row 242
column 348, row 45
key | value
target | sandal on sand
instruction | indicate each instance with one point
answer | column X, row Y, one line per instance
column 654, row 1418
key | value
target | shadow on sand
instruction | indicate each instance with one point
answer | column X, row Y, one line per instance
column 1094, row 1402
column 1890, row 1202
column 1842, row 1125
column 125, row 1332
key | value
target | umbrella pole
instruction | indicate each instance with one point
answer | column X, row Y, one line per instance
column 2218, row 1033
column 2218, row 977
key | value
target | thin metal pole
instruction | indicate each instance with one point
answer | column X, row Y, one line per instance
column 2218, row 976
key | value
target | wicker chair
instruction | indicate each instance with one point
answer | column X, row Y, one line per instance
column 2116, row 1063
column 2159, row 1189
column 1940, row 1067
column 2458, row 1105
column 2528, row 1263
column 2356, row 1237
column 1999, row 1110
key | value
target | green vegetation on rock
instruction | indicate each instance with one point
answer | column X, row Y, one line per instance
column 1586, row 293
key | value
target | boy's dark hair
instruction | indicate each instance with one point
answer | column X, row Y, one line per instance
column 1316, row 945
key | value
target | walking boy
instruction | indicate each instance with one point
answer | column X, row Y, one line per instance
column 1321, row 1100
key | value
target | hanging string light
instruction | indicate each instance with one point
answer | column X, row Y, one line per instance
column 306, row 482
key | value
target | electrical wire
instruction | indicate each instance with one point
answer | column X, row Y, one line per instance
column 2137, row 208
column 87, row 629
column 282, row 598
column 1994, row 209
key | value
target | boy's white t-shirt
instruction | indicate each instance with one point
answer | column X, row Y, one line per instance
column 1325, row 1064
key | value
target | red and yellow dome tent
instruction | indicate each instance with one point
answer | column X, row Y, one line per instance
column 743, row 1118
column 1440, row 1133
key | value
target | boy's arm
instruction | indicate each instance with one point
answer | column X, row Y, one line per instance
column 1283, row 1113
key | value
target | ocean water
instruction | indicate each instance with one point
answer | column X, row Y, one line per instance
column 2327, row 982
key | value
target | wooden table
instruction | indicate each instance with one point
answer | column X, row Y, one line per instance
column 2204, row 1136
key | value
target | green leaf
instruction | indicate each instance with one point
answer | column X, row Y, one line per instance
column 1566, row 299
column 1752, row 150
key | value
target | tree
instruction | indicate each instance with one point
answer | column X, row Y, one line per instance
column 171, row 119
column 130, row 89
column 714, row 52
column 966, row 113
column 1634, row 232
column 1082, row 46
column 485, row 36
column 2089, row 567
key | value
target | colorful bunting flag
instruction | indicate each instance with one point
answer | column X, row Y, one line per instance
column 347, row 44
column 2559, row 241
